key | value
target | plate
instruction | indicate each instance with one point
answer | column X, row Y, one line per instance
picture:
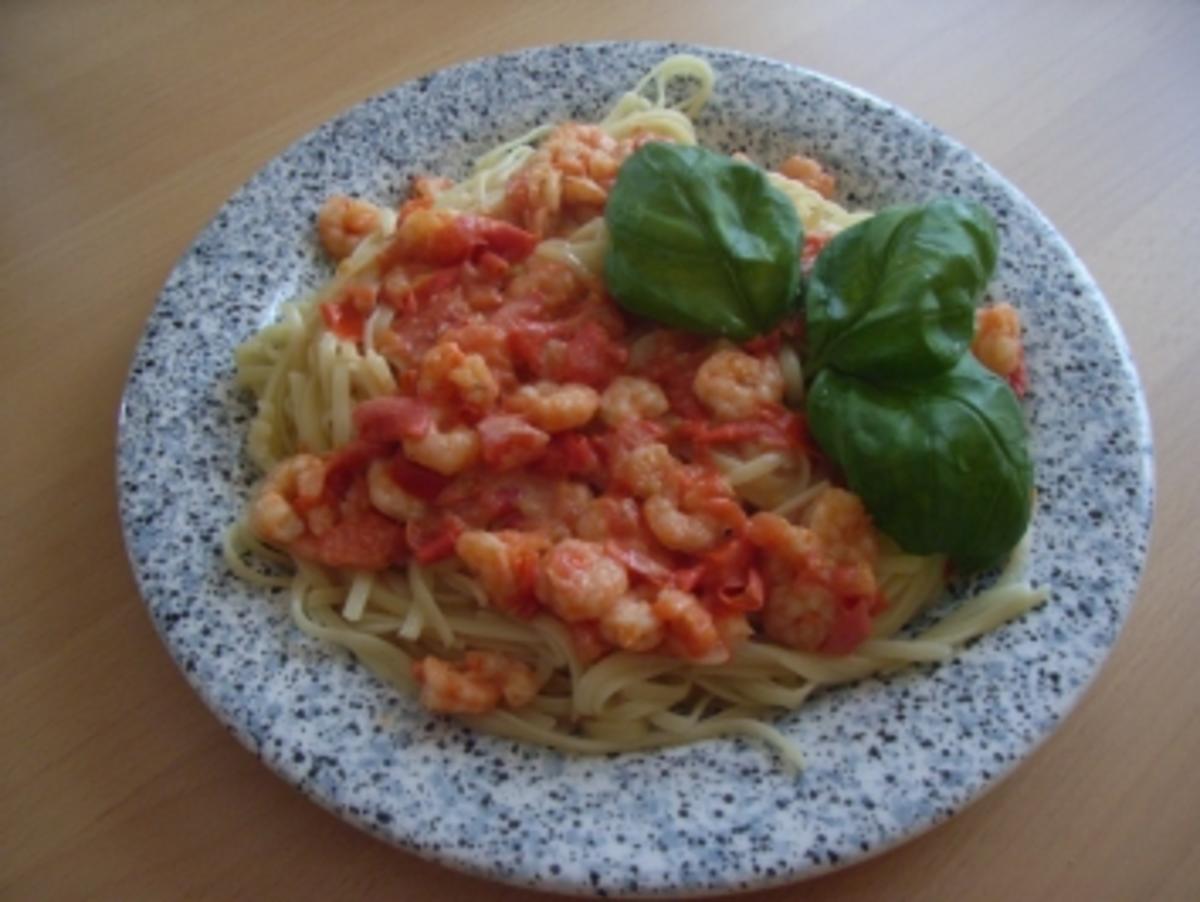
column 886, row 758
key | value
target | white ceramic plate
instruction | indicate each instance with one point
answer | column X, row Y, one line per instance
column 887, row 758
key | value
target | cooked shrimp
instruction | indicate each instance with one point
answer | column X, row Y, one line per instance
column 446, row 368
column 516, row 679
column 579, row 581
column 690, row 625
column 647, row 470
column 678, row 530
column 734, row 384
column 506, row 564
column 387, row 497
column 343, row 222
column 799, row 616
column 632, row 625
column 997, row 342
column 783, row 541
column 840, row 521
column 448, row 452
column 808, row 171
column 477, row 685
column 272, row 517
column 554, row 407
column 631, row 398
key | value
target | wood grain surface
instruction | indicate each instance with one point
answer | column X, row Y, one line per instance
column 125, row 124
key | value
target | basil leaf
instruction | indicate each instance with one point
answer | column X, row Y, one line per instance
column 942, row 463
column 701, row 242
column 895, row 295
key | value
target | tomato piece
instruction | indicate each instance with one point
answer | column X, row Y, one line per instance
column 570, row 454
column 508, row 442
column 639, row 562
column 433, row 540
column 850, row 628
column 369, row 541
column 592, row 357
column 392, row 419
column 774, row 427
column 343, row 319
column 348, row 462
column 418, row 481
column 501, row 238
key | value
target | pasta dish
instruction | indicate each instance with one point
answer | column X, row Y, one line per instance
column 619, row 442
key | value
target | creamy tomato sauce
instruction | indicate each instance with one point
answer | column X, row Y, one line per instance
column 564, row 452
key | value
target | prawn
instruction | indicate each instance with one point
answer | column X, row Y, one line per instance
column 389, row 498
column 631, row 624
column 448, row 453
column 690, row 626
column 343, row 222
column 997, row 343
column 809, row 172
column 445, row 367
column 679, row 530
column 477, row 685
column 506, row 564
column 579, row 581
column 734, row 385
column 632, row 398
column 272, row 515
column 799, row 616
column 555, row 407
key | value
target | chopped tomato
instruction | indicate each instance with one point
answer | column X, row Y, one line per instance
column 418, row 481
column 369, row 541
column 392, row 419
column 433, row 539
column 850, row 628
column 343, row 319
column 570, row 454
column 508, row 442
column 774, row 427
column 592, row 357
column 348, row 462
column 639, row 562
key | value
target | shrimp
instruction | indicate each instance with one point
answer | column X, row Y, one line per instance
column 783, row 541
column 839, row 519
column 477, row 685
column 446, row 368
column 506, row 563
column 579, row 581
column 648, row 470
column 344, row 222
column 734, row 384
column 631, row 398
column 389, row 498
column 554, row 407
column 632, row 625
column 800, row 616
column 690, row 625
column 997, row 342
column 573, row 168
column 272, row 516
column 678, row 530
column 448, row 452
column 808, row 171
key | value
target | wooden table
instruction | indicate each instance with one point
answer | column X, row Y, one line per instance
column 123, row 127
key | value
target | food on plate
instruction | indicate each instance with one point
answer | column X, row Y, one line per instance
column 622, row 442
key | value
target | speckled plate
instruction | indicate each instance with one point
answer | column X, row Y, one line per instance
column 887, row 758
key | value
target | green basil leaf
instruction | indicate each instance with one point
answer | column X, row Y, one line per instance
column 942, row 463
column 895, row 295
column 701, row 242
